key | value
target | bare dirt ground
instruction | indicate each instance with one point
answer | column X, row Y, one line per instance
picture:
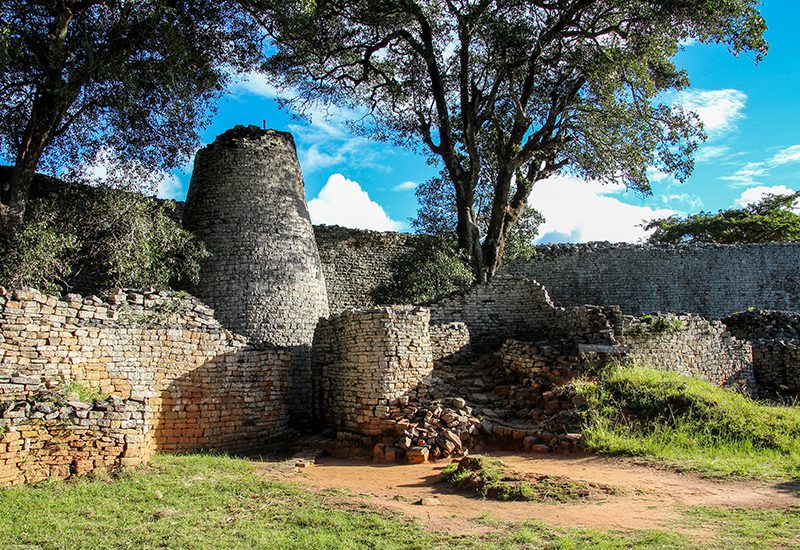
column 644, row 497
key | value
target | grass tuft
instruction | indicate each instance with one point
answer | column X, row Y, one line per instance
column 493, row 479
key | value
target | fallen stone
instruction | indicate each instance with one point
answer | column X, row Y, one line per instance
column 417, row 455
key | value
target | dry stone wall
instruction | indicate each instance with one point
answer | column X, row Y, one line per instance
column 691, row 346
column 367, row 361
column 201, row 386
column 247, row 203
column 356, row 261
column 710, row 280
column 518, row 308
column 775, row 336
column 47, row 436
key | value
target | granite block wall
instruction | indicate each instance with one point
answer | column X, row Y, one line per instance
column 775, row 336
column 691, row 346
column 247, row 203
column 367, row 361
column 47, row 436
column 201, row 386
column 710, row 280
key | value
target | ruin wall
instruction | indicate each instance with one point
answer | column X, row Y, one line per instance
column 710, row 280
column 356, row 261
column 201, row 387
column 692, row 346
column 366, row 361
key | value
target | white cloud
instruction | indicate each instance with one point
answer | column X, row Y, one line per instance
column 788, row 155
column 578, row 211
column 748, row 174
column 755, row 194
column 256, row 84
column 405, row 186
column 720, row 110
column 710, row 152
column 343, row 202
column 692, row 202
column 170, row 187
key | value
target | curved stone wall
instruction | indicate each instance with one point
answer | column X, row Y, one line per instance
column 247, row 202
column 711, row 280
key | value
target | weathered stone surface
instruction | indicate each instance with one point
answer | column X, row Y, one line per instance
column 247, row 203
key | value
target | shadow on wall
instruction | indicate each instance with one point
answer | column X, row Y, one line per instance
column 233, row 402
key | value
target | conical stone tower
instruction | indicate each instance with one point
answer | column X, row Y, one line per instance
column 247, row 203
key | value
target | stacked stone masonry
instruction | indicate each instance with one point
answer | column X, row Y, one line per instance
column 200, row 386
column 47, row 437
column 710, row 280
column 691, row 346
column 775, row 336
column 356, row 262
column 247, row 203
column 368, row 360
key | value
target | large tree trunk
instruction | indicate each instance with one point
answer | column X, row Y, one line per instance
column 46, row 115
column 467, row 231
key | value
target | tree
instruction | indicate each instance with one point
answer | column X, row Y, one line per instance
column 431, row 267
column 437, row 216
column 771, row 220
column 136, row 77
column 540, row 84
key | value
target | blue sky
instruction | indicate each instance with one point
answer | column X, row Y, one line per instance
column 751, row 113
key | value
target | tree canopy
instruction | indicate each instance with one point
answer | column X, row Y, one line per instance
column 137, row 78
column 771, row 220
column 508, row 91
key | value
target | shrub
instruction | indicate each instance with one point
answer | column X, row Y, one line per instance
column 92, row 239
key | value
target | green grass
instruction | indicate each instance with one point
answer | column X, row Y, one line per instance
column 494, row 480
column 747, row 528
column 689, row 424
column 212, row 502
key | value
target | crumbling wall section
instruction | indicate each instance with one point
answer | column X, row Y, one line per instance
column 367, row 361
column 201, row 386
column 775, row 336
column 691, row 346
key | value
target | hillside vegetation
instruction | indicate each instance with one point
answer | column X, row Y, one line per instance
column 690, row 424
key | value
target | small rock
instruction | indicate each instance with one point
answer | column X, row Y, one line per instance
column 417, row 455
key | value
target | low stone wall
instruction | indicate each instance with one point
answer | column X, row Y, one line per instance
column 48, row 437
column 775, row 336
column 503, row 308
column 367, row 361
column 518, row 308
column 691, row 346
column 776, row 363
column 202, row 387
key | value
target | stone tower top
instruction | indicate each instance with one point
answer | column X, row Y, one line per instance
column 239, row 135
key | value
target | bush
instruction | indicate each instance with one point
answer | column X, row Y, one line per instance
column 433, row 267
column 92, row 239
